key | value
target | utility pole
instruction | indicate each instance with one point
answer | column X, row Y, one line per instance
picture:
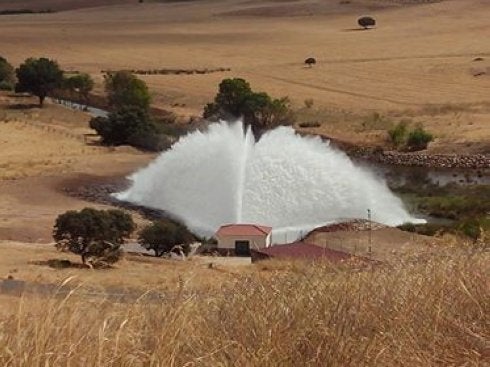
column 370, row 234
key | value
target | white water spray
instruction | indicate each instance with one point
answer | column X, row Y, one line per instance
column 285, row 181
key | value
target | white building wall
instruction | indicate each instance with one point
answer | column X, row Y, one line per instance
column 256, row 242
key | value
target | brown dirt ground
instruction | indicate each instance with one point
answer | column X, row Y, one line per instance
column 24, row 262
column 386, row 243
column 41, row 150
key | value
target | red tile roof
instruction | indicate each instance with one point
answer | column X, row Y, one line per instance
column 243, row 230
column 303, row 250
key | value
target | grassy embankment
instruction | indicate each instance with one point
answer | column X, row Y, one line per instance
column 466, row 208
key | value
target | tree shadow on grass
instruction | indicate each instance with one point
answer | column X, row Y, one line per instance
column 22, row 106
column 59, row 264
column 355, row 29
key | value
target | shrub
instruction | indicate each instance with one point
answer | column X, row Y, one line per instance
column 418, row 139
column 125, row 90
column 474, row 227
column 310, row 61
column 162, row 236
column 398, row 135
column 80, row 84
column 95, row 235
column 310, row 124
column 366, row 22
column 131, row 126
column 309, row 103
column 7, row 75
column 39, row 77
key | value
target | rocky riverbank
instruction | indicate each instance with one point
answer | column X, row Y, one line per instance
column 477, row 161
column 413, row 159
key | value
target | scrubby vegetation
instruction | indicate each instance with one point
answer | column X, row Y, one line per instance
column 39, row 77
column 95, row 235
column 418, row 139
column 236, row 99
column 78, row 86
column 366, row 22
column 466, row 208
column 431, row 312
column 130, row 121
column 131, row 126
column 7, row 75
column 404, row 138
column 398, row 134
column 126, row 90
column 161, row 237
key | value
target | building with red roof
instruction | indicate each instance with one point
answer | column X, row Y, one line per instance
column 240, row 239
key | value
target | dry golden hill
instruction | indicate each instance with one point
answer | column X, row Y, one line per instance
column 418, row 62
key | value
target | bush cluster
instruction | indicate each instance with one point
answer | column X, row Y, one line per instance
column 130, row 121
column 7, row 75
column 413, row 140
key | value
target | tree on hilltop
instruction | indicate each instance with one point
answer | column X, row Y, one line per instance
column 310, row 61
column 39, row 77
column 366, row 22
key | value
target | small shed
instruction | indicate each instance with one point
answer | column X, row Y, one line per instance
column 240, row 239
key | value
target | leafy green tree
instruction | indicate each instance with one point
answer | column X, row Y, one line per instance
column 124, row 89
column 80, row 84
column 162, row 236
column 7, row 75
column 95, row 235
column 39, row 77
column 230, row 100
column 129, row 125
column 236, row 99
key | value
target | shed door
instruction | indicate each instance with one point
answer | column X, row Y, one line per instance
column 242, row 248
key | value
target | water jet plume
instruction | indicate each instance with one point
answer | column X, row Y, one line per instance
column 223, row 175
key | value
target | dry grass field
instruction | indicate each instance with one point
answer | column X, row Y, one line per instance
column 40, row 151
column 418, row 62
column 430, row 313
column 28, row 262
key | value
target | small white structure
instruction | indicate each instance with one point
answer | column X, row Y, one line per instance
column 241, row 238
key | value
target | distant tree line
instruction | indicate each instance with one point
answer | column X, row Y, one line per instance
column 43, row 77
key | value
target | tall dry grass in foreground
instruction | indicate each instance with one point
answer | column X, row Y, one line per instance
column 430, row 313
